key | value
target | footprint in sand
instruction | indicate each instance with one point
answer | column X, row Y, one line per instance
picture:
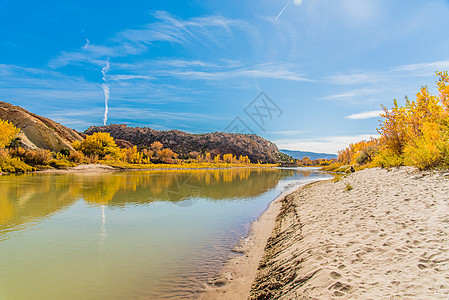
column 335, row 275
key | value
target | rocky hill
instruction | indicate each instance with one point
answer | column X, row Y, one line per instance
column 253, row 146
column 37, row 131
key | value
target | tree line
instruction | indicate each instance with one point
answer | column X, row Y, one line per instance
column 415, row 134
column 100, row 147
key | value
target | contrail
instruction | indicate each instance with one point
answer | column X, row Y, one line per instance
column 282, row 11
column 105, row 87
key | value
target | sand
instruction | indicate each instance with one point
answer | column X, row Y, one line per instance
column 83, row 168
column 388, row 237
column 237, row 276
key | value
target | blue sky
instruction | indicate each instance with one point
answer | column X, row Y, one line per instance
column 196, row 65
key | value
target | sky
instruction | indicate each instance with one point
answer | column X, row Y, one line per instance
column 308, row 75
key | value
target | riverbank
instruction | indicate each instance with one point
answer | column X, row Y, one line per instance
column 101, row 168
column 238, row 274
column 372, row 234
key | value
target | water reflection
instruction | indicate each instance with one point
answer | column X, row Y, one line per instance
column 28, row 198
column 119, row 236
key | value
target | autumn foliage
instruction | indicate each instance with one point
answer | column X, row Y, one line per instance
column 359, row 153
column 99, row 144
column 7, row 133
column 416, row 134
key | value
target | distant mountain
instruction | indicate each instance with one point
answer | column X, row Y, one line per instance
column 311, row 155
column 183, row 143
column 37, row 131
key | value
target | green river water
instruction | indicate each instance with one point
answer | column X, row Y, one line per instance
column 132, row 235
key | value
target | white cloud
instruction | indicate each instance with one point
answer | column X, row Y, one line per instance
column 43, row 91
column 138, row 114
column 166, row 28
column 422, row 69
column 199, row 70
column 86, row 45
column 250, row 72
column 339, row 96
column 357, row 78
column 330, row 144
column 359, row 95
column 297, row 2
column 289, row 132
column 365, row 115
column 128, row 77
column 383, row 86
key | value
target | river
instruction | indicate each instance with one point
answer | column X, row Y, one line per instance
column 128, row 235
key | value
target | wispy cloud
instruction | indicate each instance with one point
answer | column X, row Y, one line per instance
column 422, row 69
column 139, row 114
column 358, row 95
column 119, row 77
column 365, row 115
column 374, row 86
column 289, row 132
column 257, row 71
column 42, row 91
column 357, row 78
column 165, row 28
column 86, row 45
column 199, row 70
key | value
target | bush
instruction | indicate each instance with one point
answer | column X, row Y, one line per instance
column 361, row 158
column 38, row 157
column 348, row 187
column 65, row 152
column 98, row 144
column 13, row 164
column 7, row 133
column 387, row 159
column 61, row 163
column 423, row 152
column 76, row 157
column 332, row 167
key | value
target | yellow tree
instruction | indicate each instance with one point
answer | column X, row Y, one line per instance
column 306, row 161
column 99, row 143
column 425, row 109
column 7, row 133
column 228, row 158
column 166, row 154
column 244, row 160
column 443, row 88
column 207, row 157
column 156, row 147
column 393, row 129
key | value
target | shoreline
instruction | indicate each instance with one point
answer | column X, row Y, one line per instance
column 102, row 168
column 235, row 278
column 372, row 234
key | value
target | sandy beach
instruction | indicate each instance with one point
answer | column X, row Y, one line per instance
column 83, row 168
column 387, row 237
